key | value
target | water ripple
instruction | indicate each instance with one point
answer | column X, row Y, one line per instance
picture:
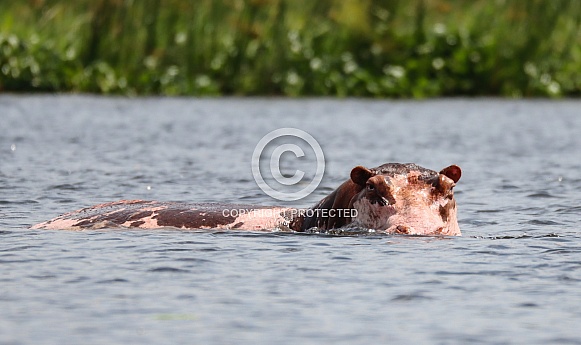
column 411, row 297
column 18, row 202
column 20, row 261
column 542, row 222
column 18, row 248
column 112, row 281
column 562, row 251
column 542, row 195
column 168, row 270
column 198, row 260
column 67, row 187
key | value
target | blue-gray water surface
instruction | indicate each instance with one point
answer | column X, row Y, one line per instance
column 514, row 277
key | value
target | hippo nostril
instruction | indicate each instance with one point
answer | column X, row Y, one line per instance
column 402, row 229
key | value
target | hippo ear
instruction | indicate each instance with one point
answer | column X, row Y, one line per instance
column 453, row 172
column 360, row 175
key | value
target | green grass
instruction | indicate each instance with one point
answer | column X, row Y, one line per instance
column 371, row 48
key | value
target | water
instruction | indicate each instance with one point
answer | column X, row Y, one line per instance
column 514, row 276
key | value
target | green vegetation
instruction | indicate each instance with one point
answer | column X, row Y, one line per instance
column 375, row 48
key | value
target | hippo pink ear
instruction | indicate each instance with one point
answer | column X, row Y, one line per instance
column 360, row 175
column 453, row 172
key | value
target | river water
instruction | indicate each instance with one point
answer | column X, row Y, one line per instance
column 514, row 277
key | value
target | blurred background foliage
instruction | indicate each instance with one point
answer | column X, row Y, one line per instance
column 371, row 48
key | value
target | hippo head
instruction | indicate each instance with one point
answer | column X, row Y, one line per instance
column 406, row 199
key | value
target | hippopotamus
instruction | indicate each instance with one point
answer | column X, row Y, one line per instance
column 393, row 198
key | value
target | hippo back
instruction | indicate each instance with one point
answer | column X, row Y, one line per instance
column 155, row 214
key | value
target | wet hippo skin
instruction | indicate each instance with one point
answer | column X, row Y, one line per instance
column 393, row 198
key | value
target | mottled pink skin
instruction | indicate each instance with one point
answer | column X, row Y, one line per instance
column 416, row 210
column 153, row 215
